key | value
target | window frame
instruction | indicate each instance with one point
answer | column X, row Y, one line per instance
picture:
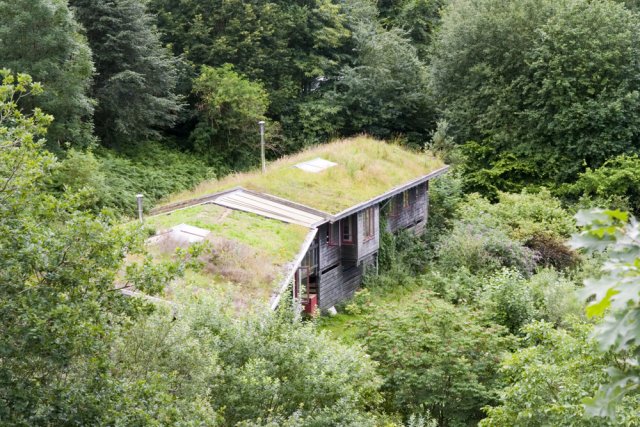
column 333, row 234
column 406, row 199
column 368, row 224
column 349, row 221
column 394, row 208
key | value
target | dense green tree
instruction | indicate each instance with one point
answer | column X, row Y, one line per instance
column 541, row 86
column 136, row 77
column 230, row 107
column 287, row 45
column 384, row 92
column 419, row 18
column 434, row 356
column 59, row 305
column 42, row 38
column 547, row 380
column 260, row 369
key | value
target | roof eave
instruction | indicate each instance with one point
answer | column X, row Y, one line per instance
column 390, row 193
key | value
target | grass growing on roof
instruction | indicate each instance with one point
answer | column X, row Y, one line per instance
column 276, row 239
column 245, row 260
column 366, row 168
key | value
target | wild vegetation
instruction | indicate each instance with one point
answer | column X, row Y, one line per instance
column 518, row 307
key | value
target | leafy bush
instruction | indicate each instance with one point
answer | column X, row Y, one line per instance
column 402, row 253
column 511, row 300
column 262, row 369
column 445, row 196
column 482, row 249
column 522, row 215
column 552, row 252
column 457, row 287
column 555, row 297
column 435, row 356
column 519, row 230
column 547, row 380
column 615, row 184
column 613, row 297
column 81, row 171
column 508, row 300
column 114, row 178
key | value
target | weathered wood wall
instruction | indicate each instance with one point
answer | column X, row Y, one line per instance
column 367, row 247
column 349, row 252
column 340, row 282
column 411, row 216
column 342, row 266
column 329, row 251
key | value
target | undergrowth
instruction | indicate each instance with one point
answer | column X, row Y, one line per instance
column 114, row 178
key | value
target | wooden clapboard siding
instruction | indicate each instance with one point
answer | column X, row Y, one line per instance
column 367, row 247
column 349, row 252
column 343, row 266
column 410, row 216
column 339, row 283
column 329, row 251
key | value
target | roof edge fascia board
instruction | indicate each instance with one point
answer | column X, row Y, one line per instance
column 329, row 218
column 390, row 193
column 284, row 284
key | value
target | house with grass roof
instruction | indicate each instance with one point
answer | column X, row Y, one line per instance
column 310, row 224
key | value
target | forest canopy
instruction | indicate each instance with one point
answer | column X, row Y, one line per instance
column 518, row 306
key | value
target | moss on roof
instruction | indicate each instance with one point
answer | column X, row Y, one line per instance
column 366, row 168
column 247, row 258
column 274, row 238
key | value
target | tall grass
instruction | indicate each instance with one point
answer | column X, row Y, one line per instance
column 365, row 168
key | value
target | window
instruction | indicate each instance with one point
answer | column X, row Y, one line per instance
column 310, row 259
column 333, row 234
column 405, row 199
column 368, row 222
column 347, row 231
column 395, row 208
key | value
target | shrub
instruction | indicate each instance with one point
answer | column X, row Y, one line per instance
column 521, row 215
column 508, row 300
column 434, row 356
column 548, row 379
column 482, row 250
column 114, row 178
column 615, row 184
column 402, row 253
column 81, row 171
column 445, row 196
column 511, row 300
column 551, row 252
column 519, row 231
column 261, row 369
column 555, row 297
column 507, row 297
column 459, row 286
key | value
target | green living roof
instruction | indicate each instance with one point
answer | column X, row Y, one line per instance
column 366, row 168
column 248, row 257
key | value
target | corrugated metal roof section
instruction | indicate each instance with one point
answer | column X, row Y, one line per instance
column 316, row 165
column 254, row 203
